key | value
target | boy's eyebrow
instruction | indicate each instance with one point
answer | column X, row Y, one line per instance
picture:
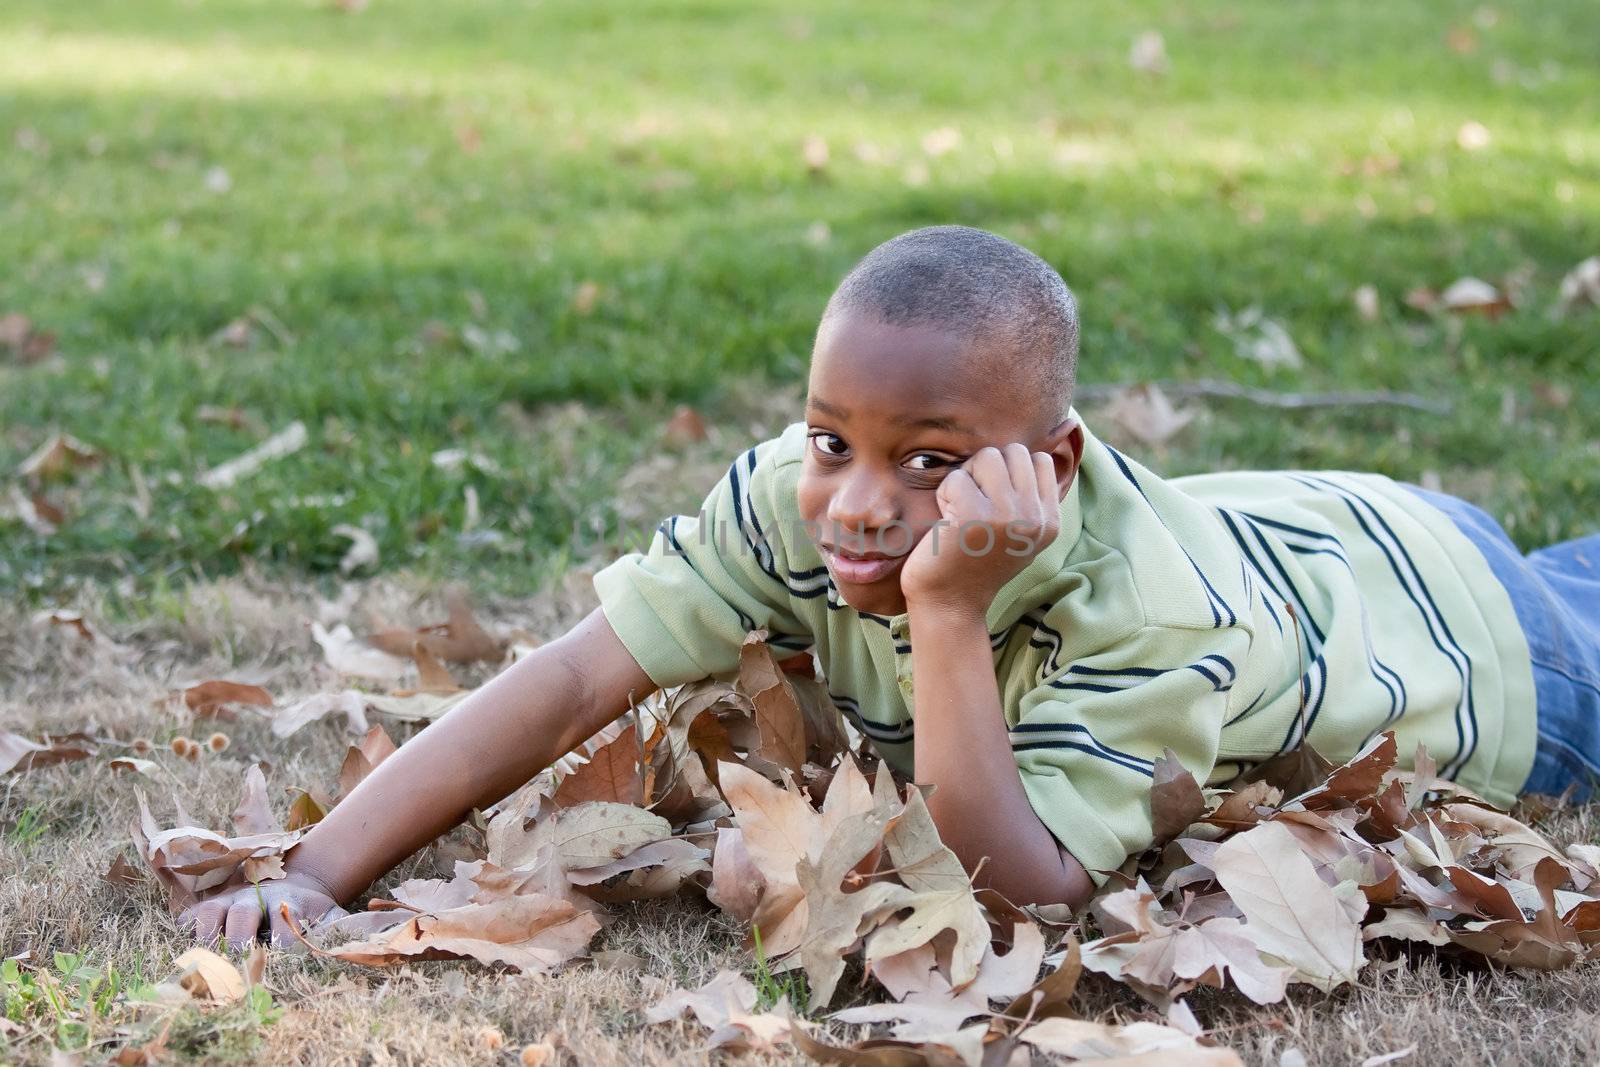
column 932, row 422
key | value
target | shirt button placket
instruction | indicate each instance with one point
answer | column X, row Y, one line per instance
column 899, row 631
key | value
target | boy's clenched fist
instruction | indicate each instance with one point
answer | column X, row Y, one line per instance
column 998, row 511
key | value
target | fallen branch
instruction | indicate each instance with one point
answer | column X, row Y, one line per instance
column 1212, row 388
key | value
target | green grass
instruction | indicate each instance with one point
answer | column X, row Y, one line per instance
column 474, row 164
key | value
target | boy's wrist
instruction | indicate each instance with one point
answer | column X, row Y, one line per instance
column 935, row 614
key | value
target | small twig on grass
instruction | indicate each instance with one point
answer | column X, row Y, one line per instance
column 1215, row 389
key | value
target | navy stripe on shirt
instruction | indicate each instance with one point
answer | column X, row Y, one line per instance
column 1214, row 599
column 1029, row 736
column 1417, row 591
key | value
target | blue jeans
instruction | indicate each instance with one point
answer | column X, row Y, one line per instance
column 1556, row 594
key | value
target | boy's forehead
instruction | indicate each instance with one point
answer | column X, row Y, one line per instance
column 867, row 369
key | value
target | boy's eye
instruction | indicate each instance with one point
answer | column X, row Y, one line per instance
column 826, row 443
column 933, row 462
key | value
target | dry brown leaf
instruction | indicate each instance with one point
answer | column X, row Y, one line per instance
column 432, row 676
column 363, row 757
column 307, row 809
column 1138, row 1043
column 779, row 829
column 736, row 882
column 1580, row 287
column 254, row 813
column 1144, row 412
column 585, row 836
column 56, row 458
column 779, row 722
column 459, row 639
column 29, row 345
column 67, row 620
column 122, row 873
column 1051, row 995
column 965, row 1048
column 1474, row 296
column 1175, row 798
column 205, row 975
column 363, row 550
column 724, row 1005
column 612, row 774
column 685, row 426
column 351, row 656
column 1290, row 913
column 210, row 700
column 17, row 753
column 1361, row 777
column 836, row 917
column 285, row 442
column 350, row 703
column 529, row 932
column 942, row 895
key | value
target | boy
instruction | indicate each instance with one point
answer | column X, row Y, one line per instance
column 1072, row 614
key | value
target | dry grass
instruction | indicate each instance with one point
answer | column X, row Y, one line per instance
column 52, row 898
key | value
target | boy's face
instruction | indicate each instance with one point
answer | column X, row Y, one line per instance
column 891, row 410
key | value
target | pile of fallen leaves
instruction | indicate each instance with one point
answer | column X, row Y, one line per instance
column 756, row 794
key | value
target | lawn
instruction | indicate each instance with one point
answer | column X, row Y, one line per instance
column 529, row 231
column 444, row 226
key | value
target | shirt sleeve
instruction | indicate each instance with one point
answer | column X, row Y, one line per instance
column 684, row 606
column 1087, row 737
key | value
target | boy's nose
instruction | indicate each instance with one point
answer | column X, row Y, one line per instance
column 858, row 510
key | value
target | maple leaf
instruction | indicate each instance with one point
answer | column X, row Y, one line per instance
column 204, row 975
column 363, row 757
column 210, row 700
column 350, row 703
column 611, row 774
column 835, row 917
column 17, row 753
column 1139, row 1042
column 942, row 895
column 779, row 722
column 1290, row 913
column 529, row 932
column 585, row 836
column 351, row 656
column 725, row 1005
column 459, row 639
column 189, row 859
column 1175, row 798
column 927, row 1003
column 736, row 882
column 779, row 828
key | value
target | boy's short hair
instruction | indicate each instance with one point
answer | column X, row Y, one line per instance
column 976, row 283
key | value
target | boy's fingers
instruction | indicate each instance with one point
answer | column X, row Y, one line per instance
column 989, row 472
column 205, row 918
column 1020, row 467
column 244, row 919
column 961, row 489
column 1044, row 471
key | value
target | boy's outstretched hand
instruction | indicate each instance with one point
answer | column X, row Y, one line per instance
column 235, row 912
column 999, row 510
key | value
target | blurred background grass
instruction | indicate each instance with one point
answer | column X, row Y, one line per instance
column 418, row 226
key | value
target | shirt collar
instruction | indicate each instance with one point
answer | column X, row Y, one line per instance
column 1014, row 600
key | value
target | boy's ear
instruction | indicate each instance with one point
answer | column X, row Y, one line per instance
column 1065, row 444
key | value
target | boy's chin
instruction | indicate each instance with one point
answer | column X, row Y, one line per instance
column 879, row 598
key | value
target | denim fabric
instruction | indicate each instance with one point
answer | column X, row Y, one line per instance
column 1556, row 594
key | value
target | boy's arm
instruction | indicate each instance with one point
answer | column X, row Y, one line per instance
column 480, row 751
column 1065, row 792
column 979, row 804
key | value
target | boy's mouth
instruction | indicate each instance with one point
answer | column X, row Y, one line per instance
column 859, row 568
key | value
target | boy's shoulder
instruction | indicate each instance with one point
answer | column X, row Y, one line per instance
column 786, row 447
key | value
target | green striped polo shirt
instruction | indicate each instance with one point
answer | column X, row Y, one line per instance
column 1226, row 616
